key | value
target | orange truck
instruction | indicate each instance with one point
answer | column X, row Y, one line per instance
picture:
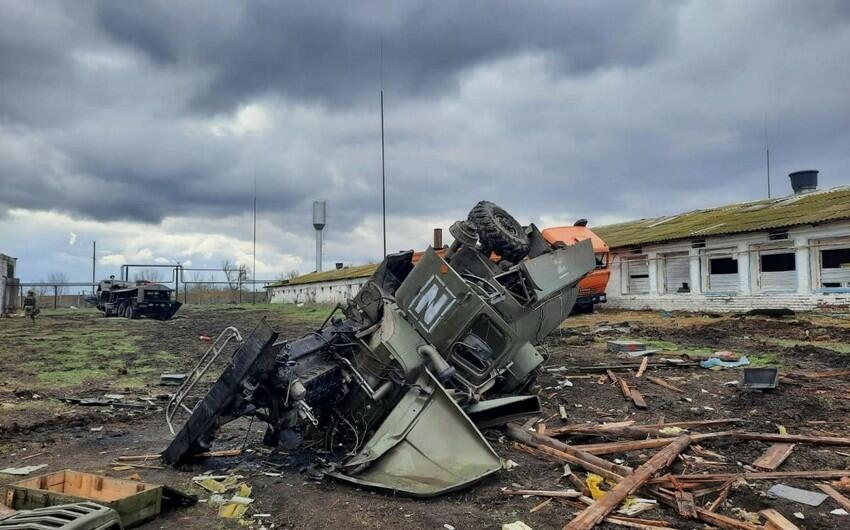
column 591, row 289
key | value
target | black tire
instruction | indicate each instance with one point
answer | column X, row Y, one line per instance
column 499, row 232
column 583, row 309
column 119, row 311
column 130, row 312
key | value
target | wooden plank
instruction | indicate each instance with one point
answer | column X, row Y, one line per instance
column 561, row 457
column 843, row 501
column 769, row 475
column 623, row 447
column 624, row 388
column 773, row 457
column 529, row 438
column 569, row 494
column 660, row 382
column 794, row 438
column 628, row 485
column 612, row 376
column 714, row 519
column 776, row 521
column 721, row 498
column 643, row 364
column 637, row 398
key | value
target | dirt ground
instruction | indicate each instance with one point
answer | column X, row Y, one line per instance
column 79, row 354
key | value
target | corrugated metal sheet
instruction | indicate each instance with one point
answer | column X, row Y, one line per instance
column 811, row 208
column 677, row 270
column 638, row 276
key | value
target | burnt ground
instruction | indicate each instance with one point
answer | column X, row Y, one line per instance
column 79, row 354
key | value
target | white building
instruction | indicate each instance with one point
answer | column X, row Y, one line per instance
column 8, row 285
column 330, row 287
column 791, row 252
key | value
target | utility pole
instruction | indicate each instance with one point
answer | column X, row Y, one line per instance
column 93, row 265
column 254, row 252
column 383, row 177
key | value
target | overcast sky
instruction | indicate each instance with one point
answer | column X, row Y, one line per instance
column 142, row 125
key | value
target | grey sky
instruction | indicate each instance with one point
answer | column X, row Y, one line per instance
column 143, row 124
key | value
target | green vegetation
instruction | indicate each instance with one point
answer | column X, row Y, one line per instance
column 308, row 312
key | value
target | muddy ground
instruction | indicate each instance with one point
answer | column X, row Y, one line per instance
column 80, row 354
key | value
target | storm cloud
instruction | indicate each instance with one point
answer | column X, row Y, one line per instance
column 121, row 118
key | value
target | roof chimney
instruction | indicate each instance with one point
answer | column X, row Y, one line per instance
column 804, row 181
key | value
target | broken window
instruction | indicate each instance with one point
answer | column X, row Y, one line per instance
column 638, row 275
column 835, row 268
column 677, row 273
column 778, row 270
column 722, row 272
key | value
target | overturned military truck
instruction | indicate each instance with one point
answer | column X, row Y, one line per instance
column 391, row 391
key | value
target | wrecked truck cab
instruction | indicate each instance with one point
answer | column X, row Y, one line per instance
column 393, row 388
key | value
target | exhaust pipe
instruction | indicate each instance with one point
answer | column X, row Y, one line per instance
column 443, row 371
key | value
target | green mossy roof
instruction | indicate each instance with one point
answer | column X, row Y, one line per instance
column 768, row 214
column 359, row 271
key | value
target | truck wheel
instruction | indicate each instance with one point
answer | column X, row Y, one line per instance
column 498, row 231
column 130, row 312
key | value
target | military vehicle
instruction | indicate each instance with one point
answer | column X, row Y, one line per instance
column 135, row 299
column 391, row 391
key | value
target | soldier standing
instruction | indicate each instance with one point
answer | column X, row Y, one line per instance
column 31, row 305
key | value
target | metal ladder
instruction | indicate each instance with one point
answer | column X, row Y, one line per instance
column 215, row 349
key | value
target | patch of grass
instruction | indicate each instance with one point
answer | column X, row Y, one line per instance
column 70, row 358
column 309, row 312
column 762, row 360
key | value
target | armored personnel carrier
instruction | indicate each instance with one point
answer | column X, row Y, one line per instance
column 391, row 391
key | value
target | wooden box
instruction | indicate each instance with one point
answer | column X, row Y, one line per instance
column 135, row 502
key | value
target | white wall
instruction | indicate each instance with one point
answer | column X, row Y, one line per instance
column 804, row 292
column 330, row 292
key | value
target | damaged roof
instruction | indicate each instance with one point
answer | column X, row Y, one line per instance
column 768, row 214
column 357, row 271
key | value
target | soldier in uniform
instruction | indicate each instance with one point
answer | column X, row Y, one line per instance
column 31, row 305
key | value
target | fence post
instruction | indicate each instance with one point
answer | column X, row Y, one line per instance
column 55, row 296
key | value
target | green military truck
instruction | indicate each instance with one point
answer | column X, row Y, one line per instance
column 135, row 299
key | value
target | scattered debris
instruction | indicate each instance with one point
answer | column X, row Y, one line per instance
column 172, row 379
column 773, row 457
column 760, row 378
column 22, row 471
column 715, row 362
column 810, row 498
column 618, row 346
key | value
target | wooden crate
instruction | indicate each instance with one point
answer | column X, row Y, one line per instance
column 135, row 502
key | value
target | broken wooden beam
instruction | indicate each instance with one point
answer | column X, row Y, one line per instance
column 624, row 388
column 637, row 398
column 600, row 509
column 714, row 519
column 623, row 447
column 643, row 365
column 769, row 475
column 722, row 496
column 773, row 457
column 794, row 438
column 660, row 382
column 776, row 521
column 843, row 501
column 535, row 440
column 568, row 494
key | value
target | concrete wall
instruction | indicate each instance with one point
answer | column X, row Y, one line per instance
column 801, row 289
column 330, row 292
column 8, row 285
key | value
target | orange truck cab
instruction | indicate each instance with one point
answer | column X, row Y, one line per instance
column 591, row 289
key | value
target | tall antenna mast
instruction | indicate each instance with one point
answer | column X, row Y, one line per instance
column 767, row 155
column 254, row 251
column 383, row 164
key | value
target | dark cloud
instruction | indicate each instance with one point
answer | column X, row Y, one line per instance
column 331, row 53
column 608, row 110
